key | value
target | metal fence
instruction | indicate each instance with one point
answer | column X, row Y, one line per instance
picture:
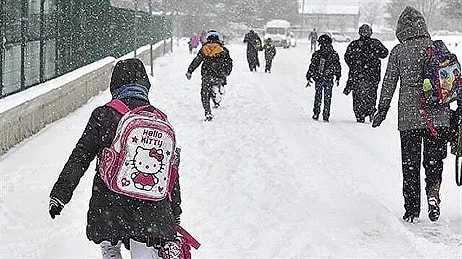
column 43, row 39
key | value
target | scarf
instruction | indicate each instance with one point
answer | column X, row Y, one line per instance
column 131, row 91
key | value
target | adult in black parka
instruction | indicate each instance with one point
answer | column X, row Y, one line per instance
column 254, row 45
column 363, row 58
column 114, row 218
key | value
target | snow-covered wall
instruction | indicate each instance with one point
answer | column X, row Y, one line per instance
column 25, row 113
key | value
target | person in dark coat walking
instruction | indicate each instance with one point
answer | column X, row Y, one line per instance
column 325, row 65
column 114, row 218
column 216, row 66
column 363, row 58
column 253, row 46
column 313, row 37
column 270, row 52
column 405, row 65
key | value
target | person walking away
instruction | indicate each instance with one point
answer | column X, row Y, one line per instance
column 405, row 64
column 324, row 66
column 203, row 37
column 270, row 53
column 363, row 59
column 216, row 66
column 143, row 226
column 194, row 43
column 253, row 46
column 313, row 37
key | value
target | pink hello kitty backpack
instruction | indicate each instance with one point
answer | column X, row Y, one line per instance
column 142, row 161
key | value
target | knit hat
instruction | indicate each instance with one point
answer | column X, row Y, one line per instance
column 324, row 40
column 365, row 30
column 129, row 71
column 213, row 35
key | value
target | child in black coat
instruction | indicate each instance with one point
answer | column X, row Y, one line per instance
column 325, row 65
column 114, row 219
column 270, row 52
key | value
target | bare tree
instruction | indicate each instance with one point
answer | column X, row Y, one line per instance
column 371, row 13
column 431, row 10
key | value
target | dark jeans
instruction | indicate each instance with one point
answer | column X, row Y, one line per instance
column 269, row 62
column 320, row 87
column 434, row 151
column 364, row 98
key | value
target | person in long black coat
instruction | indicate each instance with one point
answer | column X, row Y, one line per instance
column 113, row 218
column 363, row 58
column 254, row 45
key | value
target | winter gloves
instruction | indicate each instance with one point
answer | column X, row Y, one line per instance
column 308, row 83
column 347, row 90
column 379, row 117
column 188, row 75
column 55, row 207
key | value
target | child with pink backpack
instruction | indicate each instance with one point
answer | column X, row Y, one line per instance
column 136, row 192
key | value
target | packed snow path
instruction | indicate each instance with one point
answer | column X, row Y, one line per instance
column 262, row 180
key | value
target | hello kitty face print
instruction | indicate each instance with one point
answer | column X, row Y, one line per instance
column 147, row 163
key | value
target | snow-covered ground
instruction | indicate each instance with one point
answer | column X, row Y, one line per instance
column 262, row 180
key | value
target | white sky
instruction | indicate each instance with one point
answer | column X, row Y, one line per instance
column 260, row 181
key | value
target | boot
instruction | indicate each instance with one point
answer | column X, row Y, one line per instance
column 411, row 217
column 433, row 209
column 433, row 199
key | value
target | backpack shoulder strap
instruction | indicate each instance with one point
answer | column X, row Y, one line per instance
column 119, row 106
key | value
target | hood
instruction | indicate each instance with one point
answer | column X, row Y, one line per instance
column 128, row 72
column 325, row 40
column 365, row 31
column 411, row 24
column 211, row 49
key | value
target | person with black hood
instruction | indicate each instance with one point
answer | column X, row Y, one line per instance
column 363, row 58
column 254, row 45
column 114, row 219
column 325, row 65
column 270, row 53
column 216, row 66
column 405, row 64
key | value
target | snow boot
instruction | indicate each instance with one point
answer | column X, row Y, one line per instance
column 433, row 209
column 315, row 117
column 411, row 217
column 208, row 117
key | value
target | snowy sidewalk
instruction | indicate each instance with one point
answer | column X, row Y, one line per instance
column 262, row 180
